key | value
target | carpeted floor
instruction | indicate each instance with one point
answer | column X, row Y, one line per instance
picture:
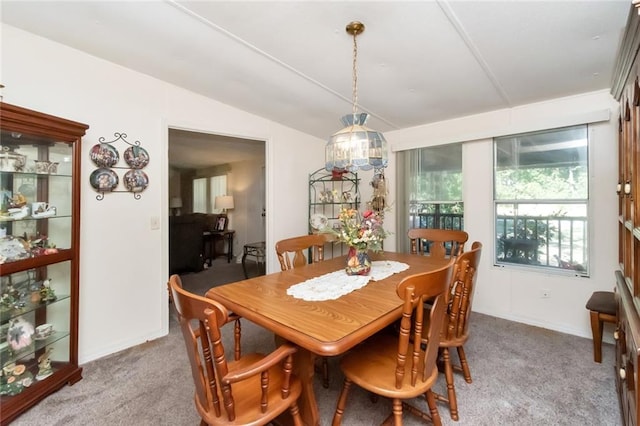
column 522, row 375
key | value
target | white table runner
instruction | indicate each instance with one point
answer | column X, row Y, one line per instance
column 336, row 284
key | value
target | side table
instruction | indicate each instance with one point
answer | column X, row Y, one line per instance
column 257, row 251
column 210, row 238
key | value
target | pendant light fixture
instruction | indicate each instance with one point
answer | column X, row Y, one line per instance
column 355, row 147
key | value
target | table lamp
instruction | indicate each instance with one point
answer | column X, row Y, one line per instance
column 175, row 204
column 224, row 203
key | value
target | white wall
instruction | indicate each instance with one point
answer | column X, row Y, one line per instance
column 512, row 292
column 123, row 271
column 123, row 299
column 246, row 217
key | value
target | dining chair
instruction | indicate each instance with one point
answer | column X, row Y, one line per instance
column 455, row 328
column 439, row 243
column 291, row 254
column 399, row 366
column 250, row 389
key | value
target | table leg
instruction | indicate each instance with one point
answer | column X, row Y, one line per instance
column 230, row 249
column 304, row 368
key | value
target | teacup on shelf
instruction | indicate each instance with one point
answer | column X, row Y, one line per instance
column 43, row 331
column 46, row 167
column 19, row 213
column 42, row 209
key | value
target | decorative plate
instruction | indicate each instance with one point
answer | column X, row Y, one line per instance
column 318, row 221
column 135, row 180
column 104, row 155
column 103, row 180
column 13, row 248
column 136, row 157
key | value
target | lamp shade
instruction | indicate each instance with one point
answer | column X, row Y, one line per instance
column 224, row 202
column 356, row 147
column 175, row 203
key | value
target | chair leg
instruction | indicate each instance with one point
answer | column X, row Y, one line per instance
column 464, row 364
column 295, row 414
column 397, row 412
column 596, row 330
column 451, row 390
column 342, row 402
column 433, row 408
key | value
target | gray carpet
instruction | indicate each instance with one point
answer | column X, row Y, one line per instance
column 522, row 375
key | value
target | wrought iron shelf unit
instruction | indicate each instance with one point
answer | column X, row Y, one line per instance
column 329, row 192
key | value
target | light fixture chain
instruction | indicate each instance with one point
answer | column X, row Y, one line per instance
column 355, row 74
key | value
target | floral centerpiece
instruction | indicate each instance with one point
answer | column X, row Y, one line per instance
column 362, row 233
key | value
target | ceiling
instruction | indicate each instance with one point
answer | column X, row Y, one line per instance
column 291, row 61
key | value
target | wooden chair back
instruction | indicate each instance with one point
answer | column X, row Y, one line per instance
column 437, row 242
column 251, row 389
column 402, row 368
column 455, row 327
column 460, row 295
column 415, row 290
column 291, row 250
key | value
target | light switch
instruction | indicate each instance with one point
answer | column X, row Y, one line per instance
column 155, row 223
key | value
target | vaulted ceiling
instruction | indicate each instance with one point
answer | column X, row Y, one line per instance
column 291, row 61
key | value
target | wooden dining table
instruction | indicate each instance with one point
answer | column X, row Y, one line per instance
column 326, row 328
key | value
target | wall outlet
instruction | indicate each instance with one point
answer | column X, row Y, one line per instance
column 545, row 293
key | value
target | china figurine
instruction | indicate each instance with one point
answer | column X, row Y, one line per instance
column 44, row 365
column 47, row 294
column 20, row 333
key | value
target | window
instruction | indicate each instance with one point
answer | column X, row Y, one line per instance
column 200, row 195
column 432, row 190
column 541, row 194
column 205, row 191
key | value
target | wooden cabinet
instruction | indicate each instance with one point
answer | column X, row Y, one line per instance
column 626, row 89
column 39, row 256
column 627, row 337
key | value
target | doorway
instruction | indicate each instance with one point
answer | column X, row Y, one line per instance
column 195, row 154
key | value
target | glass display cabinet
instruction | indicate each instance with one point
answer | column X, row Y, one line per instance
column 39, row 248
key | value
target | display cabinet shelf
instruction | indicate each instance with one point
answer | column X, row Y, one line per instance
column 36, row 346
column 6, row 315
column 37, row 262
column 39, row 256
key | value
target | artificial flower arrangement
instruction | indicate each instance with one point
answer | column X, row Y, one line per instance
column 361, row 231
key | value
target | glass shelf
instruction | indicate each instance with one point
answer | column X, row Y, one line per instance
column 7, row 355
column 34, row 174
column 6, row 315
column 24, row 219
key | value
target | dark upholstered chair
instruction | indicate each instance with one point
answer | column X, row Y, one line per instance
column 602, row 307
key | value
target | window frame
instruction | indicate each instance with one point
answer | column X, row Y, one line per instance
column 563, row 267
column 210, row 195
